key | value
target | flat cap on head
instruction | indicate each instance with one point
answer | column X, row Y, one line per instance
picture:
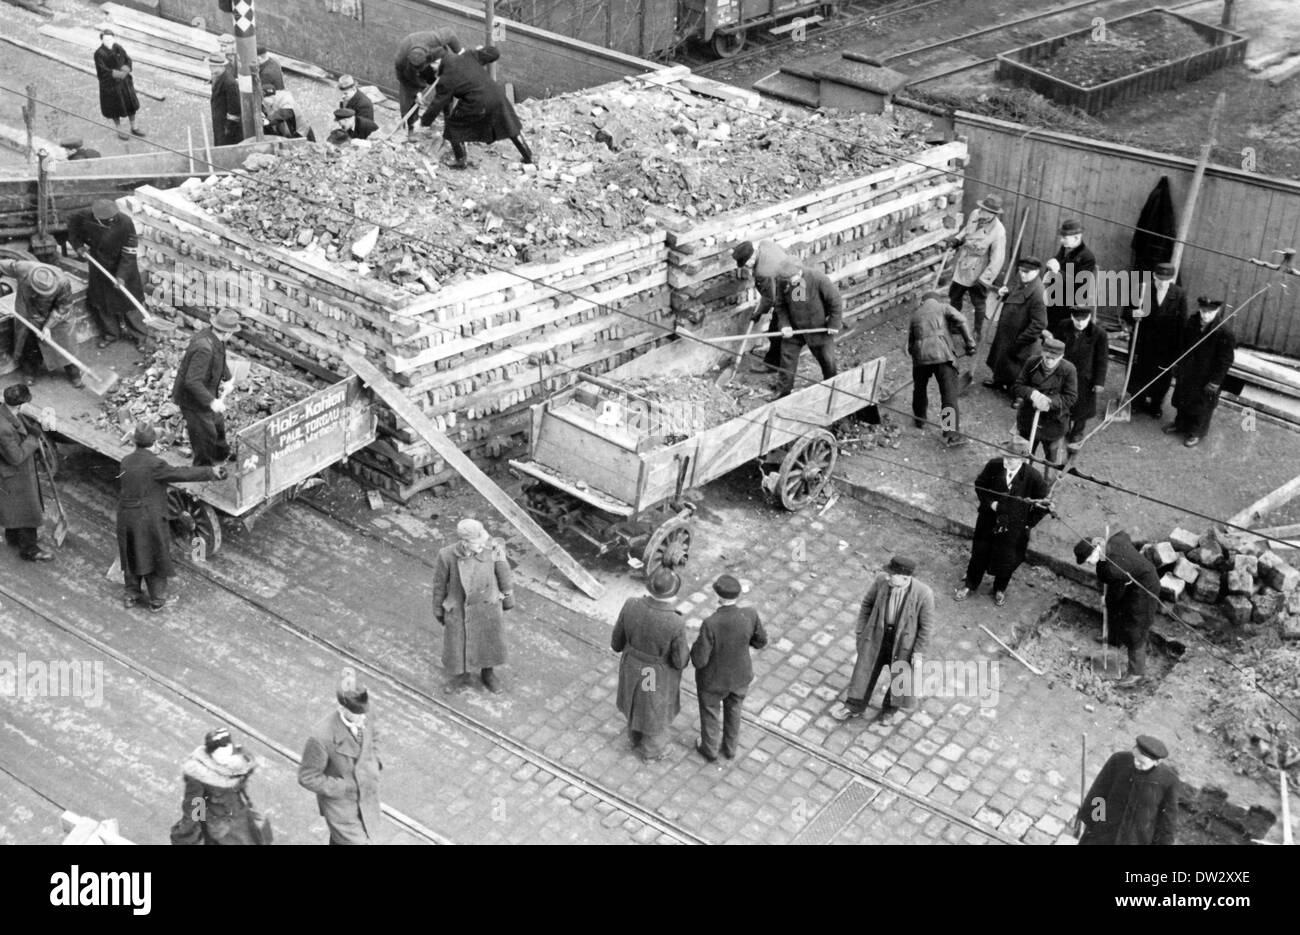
column 727, row 587
column 144, row 435
column 901, row 565
column 103, row 209
column 1019, row 447
column 1053, row 346
column 16, row 394
column 1152, row 747
column 343, row 113
column 742, row 253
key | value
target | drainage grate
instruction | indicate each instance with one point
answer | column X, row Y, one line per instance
column 838, row 813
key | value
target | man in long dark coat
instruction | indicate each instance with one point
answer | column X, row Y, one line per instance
column 117, row 97
column 1073, row 275
column 1134, row 799
column 215, row 807
column 1021, row 321
column 474, row 107
column 894, row 628
column 143, row 536
column 106, row 233
column 1012, row 500
column 416, row 64
column 226, row 106
column 1210, row 348
column 1088, row 349
column 341, row 765
column 651, row 635
column 723, row 669
column 1161, row 309
column 21, row 509
column 1132, row 585
column 1048, row 386
column 472, row 586
column 199, row 389
column 44, row 298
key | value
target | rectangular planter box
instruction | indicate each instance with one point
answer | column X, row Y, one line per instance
column 1017, row 65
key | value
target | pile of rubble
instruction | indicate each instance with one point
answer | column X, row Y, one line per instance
column 610, row 161
column 145, row 396
column 677, row 407
column 1247, row 581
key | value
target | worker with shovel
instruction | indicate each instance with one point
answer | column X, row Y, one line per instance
column 1023, row 318
column 767, row 262
column 106, row 234
column 1088, row 349
column 1208, row 349
column 1131, row 585
column 21, row 508
column 44, row 298
column 1047, row 388
column 417, row 56
column 474, row 108
column 807, row 302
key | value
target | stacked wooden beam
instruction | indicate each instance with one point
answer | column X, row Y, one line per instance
column 878, row 237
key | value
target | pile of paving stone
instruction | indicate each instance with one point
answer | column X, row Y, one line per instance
column 610, row 161
column 1242, row 576
column 145, row 396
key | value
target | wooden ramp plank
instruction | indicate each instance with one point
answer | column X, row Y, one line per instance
column 1267, row 504
column 448, row 450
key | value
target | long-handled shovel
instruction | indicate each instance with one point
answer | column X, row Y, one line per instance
column 1083, row 783
column 99, row 385
column 153, row 321
column 60, row 517
column 729, row 372
column 1119, row 410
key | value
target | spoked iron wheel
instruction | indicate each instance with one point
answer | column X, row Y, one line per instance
column 191, row 518
column 669, row 547
column 806, row 469
column 727, row 44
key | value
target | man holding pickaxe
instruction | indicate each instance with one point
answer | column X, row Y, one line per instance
column 44, row 298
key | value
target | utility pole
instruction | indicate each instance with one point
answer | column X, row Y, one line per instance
column 250, row 79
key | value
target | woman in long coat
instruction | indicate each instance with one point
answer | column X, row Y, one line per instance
column 477, row 110
column 21, row 509
column 1022, row 320
column 215, row 807
column 117, row 97
column 651, row 635
column 143, row 536
column 472, row 585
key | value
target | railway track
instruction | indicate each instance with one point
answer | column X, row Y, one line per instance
column 384, row 677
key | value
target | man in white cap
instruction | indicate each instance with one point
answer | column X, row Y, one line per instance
column 354, row 99
column 1012, row 500
column 341, row 765
column 44, row 298
column 106, row 233
column 1134, row 799
column 651, row 636
column 981, row 251
column 1210, row 348
column 202, row 383
column 472, row 586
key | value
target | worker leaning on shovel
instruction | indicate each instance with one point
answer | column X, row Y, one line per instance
column 44, row 298
column 105, row 234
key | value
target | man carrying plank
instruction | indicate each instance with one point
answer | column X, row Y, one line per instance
column 106, row 233
column 1132, row 584
column 44, row 298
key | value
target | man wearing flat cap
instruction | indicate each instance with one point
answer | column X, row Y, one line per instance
column 215, row 807
column 417, row 55
column 43, row 298
column 768, row 262
column 1049, row 386
column 354, row 99
column 76, row 149
column 341, row 765
column 1210, row 348
column 894, row 627
column 1156, row 323
column 21, row 508
column 1131, row 584
column 1087, row 348
column 202, row 382
column 353, row 124
column 472, row 586
column 651, row 636
column 723, row 669
column 106, row 234
column 930, row 344
column 1012, row 500
column 1020, row 324
column 1071, row 276
column 1134, row 799
column 143, row 535
column 981, row 251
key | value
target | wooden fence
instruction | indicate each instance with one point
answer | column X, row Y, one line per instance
column 1105, row 185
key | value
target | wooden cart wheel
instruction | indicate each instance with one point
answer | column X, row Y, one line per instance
column 669, row 547
column 806, row 469
column 727, row 44
column 191, row 518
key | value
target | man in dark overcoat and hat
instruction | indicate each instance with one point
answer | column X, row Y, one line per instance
column 202, row 383
column 107, row 234
column 21, row 508
column 895, row 623
column 1072, row 276
column 472, row 587
column 417, row 57
column 1132, row 587
column 1020, row 323
column 1049, row 387
column 341, row 764
column 1134, row 799
column 1087, row 349
column 143, row 535
column 1209, row 347
column 475, row 109
column 1161, row 308
column 651, row 636
column 117, row 97
column 1012, row 500
column 723, row 669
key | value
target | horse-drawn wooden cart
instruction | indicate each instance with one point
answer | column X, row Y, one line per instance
column 614, row 469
